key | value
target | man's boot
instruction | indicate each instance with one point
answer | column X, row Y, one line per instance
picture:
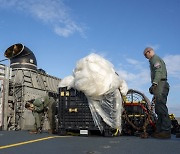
column 33, row 131
column 50, row 131
column 39, row 130
column 163, row 135
column 177, row 135
column 154, row 134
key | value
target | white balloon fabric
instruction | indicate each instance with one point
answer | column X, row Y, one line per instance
column 95, row 76
column 97, row 79
column 67, row 82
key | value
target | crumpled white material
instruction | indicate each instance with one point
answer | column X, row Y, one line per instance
column 97, row 79
column 67, row 82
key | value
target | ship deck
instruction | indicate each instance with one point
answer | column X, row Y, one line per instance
column 21, row 142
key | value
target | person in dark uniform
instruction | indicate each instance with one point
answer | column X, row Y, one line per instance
column 160, row 90
column 38, row 107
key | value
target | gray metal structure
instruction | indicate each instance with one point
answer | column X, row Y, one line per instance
column 4, row 88
column 20, row 82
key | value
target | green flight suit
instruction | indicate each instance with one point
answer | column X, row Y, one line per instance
column 40, row 105
column 51, row 113
column 38, row 112
column 159, row 77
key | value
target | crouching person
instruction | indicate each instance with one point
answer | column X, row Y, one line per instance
column 38, row 107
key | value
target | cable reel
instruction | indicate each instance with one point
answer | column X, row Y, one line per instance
column 138, row 116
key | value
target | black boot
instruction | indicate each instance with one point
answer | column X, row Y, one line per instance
column 39, row 130
column 177, row 135
column 163, row 135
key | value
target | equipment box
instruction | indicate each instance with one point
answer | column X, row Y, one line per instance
column 74, row 114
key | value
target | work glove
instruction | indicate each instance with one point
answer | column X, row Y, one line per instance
column 152, row 89
column 31, row 107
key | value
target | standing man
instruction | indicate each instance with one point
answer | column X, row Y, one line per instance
column 160, row 90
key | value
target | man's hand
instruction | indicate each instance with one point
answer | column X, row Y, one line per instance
column 31, row 107
column 152, row 89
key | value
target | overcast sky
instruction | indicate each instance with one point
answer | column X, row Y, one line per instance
column 60, row 32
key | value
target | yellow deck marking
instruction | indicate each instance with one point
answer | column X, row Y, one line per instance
column 30, row 141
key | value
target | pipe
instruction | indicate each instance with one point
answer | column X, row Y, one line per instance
column 21, row 57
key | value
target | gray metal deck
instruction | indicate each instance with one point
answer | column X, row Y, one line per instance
column 21, row 142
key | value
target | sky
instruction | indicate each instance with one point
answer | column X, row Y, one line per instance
column 61, row 32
